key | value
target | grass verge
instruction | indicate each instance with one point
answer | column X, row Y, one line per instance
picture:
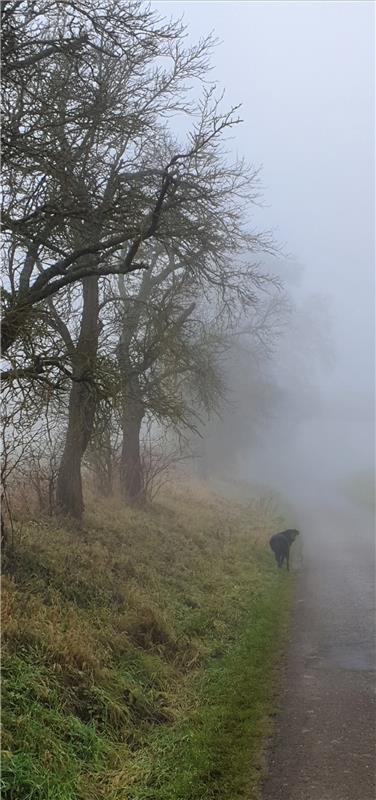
column 138, row 653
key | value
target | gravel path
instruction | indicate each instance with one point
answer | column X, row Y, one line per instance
column 324, row 747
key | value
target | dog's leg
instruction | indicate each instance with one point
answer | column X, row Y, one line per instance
column 288, row 559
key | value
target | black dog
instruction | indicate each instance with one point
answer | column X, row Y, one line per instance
column 281, row 543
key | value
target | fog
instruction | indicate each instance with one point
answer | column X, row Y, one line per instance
column 304, row 74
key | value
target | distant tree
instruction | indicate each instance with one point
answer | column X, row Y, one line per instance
column 162, row 350
column 252, row 397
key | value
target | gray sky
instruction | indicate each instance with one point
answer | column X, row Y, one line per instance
column 304, row 73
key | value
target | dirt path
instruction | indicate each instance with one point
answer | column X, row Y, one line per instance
column 325, row 743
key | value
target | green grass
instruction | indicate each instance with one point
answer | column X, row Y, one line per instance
column 139, row 654
column 217, row 752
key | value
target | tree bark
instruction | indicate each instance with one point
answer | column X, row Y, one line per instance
column 131, row 474
column 82, row 404
column 4, row 532
column 133, row 410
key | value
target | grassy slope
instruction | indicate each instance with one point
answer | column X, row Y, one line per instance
column 138, row 654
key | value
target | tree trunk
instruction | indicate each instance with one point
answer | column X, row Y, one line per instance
column 131, row 475
column 82, row 404
column 4, row 531
column 133, row 409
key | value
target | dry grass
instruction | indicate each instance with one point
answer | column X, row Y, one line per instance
column 109, row 633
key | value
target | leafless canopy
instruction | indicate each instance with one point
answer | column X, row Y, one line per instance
column 90, row 170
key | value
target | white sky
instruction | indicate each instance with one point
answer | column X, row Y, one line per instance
column 304, row 72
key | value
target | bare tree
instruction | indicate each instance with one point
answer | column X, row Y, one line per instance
column 193, row 181
column 169, row 354
column 83, row 87
column 93, row 177
column 30, row 448
column 161, row 456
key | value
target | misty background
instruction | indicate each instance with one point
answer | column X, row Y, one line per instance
column 304, row 73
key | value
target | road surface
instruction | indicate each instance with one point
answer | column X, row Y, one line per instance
column 324, row 747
